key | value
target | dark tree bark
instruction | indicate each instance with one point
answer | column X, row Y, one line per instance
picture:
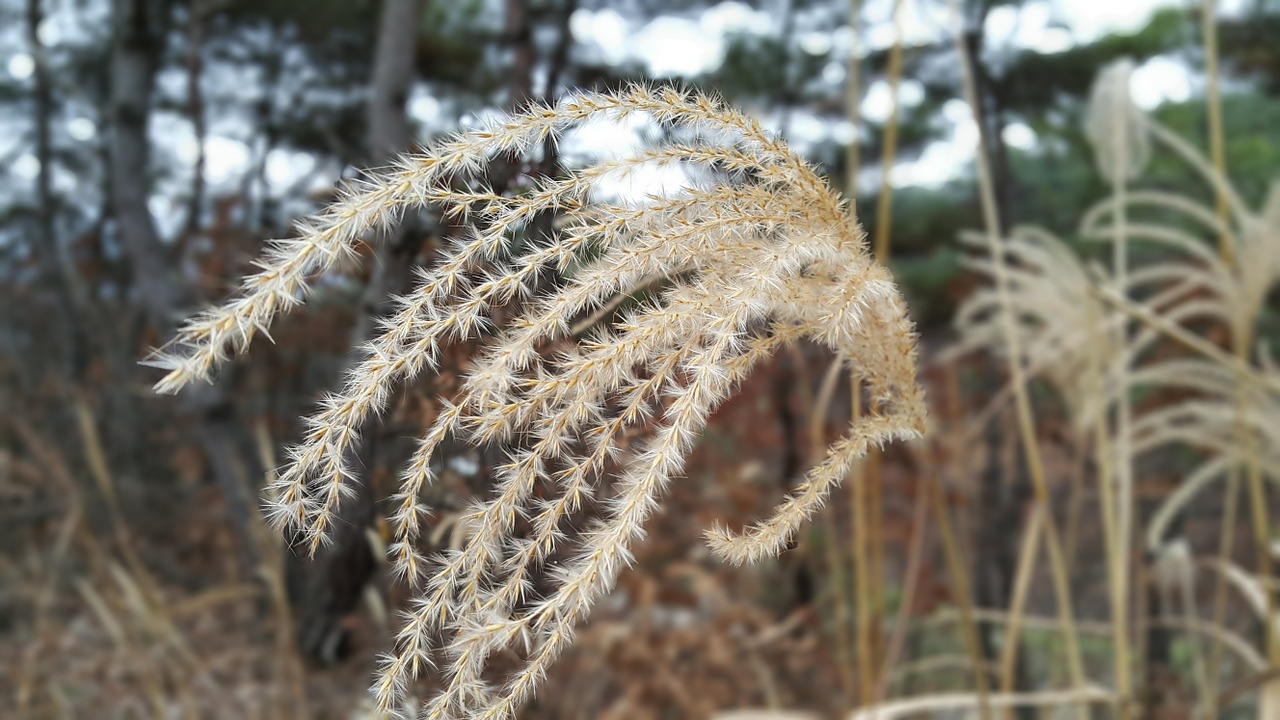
column 325, row 589
column 990, row 113
column 559, row 59
column 195, row 109
column 556, row 65
column 393, row 75
column 388, row 120
column 520, row 36
column 255, row 185
column 43, row 111
column 139, row 30
column 57, row 263
column 135, row 56
column 1004, row 496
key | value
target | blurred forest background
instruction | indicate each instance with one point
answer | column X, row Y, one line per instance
column 1107, row 554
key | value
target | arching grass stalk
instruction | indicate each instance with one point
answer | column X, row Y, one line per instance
column 759, row 252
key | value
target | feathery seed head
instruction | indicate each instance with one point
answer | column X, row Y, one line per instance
column 753, row 252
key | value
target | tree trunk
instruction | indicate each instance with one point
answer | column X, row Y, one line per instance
column 195, row 109
column 990, row 115
column 520, row 35
column 560, row 55
column 57, row 264
column 393, row 74
column 325, row 589
column 139, row 40
column 134, row 59
column 388, row 119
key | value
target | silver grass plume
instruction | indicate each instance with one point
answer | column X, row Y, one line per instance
column 1057, row 319
column 1204, row 287
column 758, row 252
column 1115, row 126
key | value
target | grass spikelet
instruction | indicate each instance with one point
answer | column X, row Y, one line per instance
column 755, row 252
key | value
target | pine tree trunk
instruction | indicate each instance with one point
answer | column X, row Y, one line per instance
column 325, row 589
column 138, row 43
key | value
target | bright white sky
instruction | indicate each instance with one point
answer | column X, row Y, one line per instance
column 685, row 47
column 672, row 46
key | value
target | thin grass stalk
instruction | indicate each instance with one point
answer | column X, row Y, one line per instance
column 1213, row 103
column 889, row 150
column 957, row 570
column 1186, row 586
column 818, row 547
column 911, row 585
column 1026, row 421
column 1246, row 375
column 1191, row 341
column 919, row 541
column 853, row 162
column 1018, row 603
column 101, row 473
column 932, row 667
column 1143, row 622
column 862, row 567
column 1243, row 336
column 853, row 103
column 1258, row 504
column 875, row 503
column 1243, row 339
column 882, row 248
column 1124, row 511
column 1269, row 693
column 1250, row 658
column 1104, row 458
column 287, row 667
column 132, row 657
column 917, row 707
column 862, row 590
column 1226, row 548
column 145, row 586
column 842, row 594
column 1226, row 542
